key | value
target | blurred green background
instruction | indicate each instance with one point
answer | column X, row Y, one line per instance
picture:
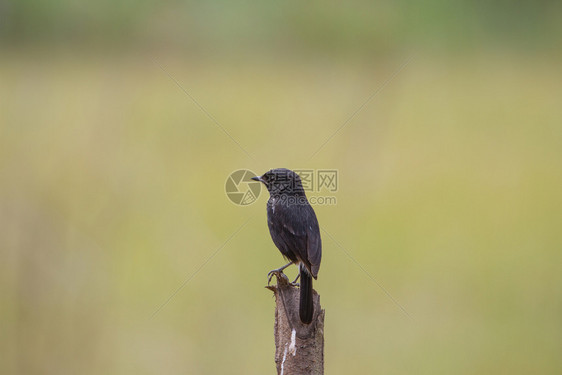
column 112, row 183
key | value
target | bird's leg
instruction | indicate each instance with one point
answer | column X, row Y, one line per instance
column 278, row 272
column 294, row 283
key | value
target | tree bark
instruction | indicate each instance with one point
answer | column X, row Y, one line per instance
column 299, row 348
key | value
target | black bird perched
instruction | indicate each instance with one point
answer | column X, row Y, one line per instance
column 294, row 229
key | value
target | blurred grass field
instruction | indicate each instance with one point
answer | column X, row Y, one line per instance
column 112, row 195
column 113, row 213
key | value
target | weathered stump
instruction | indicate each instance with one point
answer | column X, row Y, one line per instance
column 299, row 348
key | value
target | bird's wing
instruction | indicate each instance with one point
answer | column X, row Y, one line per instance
column 286, row 232
column 314, row 243
column 296, row 234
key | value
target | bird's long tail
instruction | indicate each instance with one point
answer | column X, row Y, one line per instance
column 306, row 305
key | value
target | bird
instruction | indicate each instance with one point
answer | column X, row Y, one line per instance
column 295, row 231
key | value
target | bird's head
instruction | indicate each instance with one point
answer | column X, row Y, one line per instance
column 281, row 181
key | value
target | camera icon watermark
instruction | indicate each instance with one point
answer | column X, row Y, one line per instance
column 243, row 191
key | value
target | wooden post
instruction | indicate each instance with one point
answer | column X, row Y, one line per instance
column 299, row 348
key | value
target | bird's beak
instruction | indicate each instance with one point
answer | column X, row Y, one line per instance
column 257, row 178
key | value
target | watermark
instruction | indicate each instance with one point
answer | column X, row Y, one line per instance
column 314, row 200
column 319, row 180
column 243, row 191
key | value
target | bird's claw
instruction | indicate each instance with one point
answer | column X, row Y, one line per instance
column 278, row 273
